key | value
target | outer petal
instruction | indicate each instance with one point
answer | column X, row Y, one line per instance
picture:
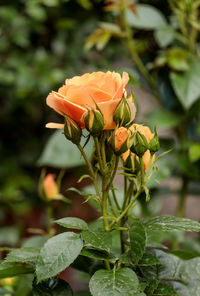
column 108, row 109
column 60, row 105
column 119, row 92
column 55, row 125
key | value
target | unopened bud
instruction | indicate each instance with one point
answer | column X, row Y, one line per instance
column 72, row 131
column 154, row 144
column 122, row 114
column 140, row 144
column 131, row 162
column 94, row 121
column 119, row 140
column 50, row 187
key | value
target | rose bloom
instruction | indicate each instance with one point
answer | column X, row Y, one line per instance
column 148, row 135
column 79, row 92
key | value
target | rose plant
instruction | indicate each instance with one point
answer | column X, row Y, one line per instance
column 118, row 250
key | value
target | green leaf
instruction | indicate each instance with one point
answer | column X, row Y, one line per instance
column 164, row 290
column 5, row 292
column 57, row 254
column 177, row 59
column 148, row 260
column 137, row 240
column 152, row 286
column 35, row 241
column 146, row 17
column 98, row 239
column 170, row 223
column 97, row 254
column 23, row 255
column 52, row 287
column 61, row 153
column 164, row 119
column 10, row 270
column 72, row 222
column 164, row 36
column 186, row 85
column 194, row 152
column 121, row 282
column 185, row 254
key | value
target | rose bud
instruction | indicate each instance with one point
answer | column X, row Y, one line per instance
column 131, row 162
column 94, row 121
column 154, row 144
column 140, row 144
column 122, row 114
column 72, row 131
column 50, row 187
column 119, row 140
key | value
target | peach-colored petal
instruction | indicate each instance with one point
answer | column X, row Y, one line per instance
column 62, row 106
column 119, row 91
column 54, row 125
column 108, row 109
column 50, row 187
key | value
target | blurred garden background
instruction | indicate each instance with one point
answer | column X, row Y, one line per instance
column 43, row 42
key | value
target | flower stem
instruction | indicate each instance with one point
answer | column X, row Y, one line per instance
column 87, row 161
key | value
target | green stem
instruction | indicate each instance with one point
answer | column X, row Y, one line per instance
column 115, row 199
column 49, row 217
column 182, row 197
column 113, row 174
column 87, row 161
column 142, row 171
column 99, row 156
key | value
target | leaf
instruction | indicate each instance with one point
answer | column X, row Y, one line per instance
column 5, row 292
column 146, row 17
column 170, row 223
column 185, row 254
column 121, row 282
column 164, row 119
column 61, row 153
column 52, row 287
column 194, row 152
column 137, row 240
column 23, row 255
column 97, row 254
column 186, row 85
column 177, row 59
column 164, row 290
column 57, row 254
column 72, row 222
column 35, row 241
column 148, row 260
column 97, row 239
column 164, row 36
column 152, row 286
column 10, row 270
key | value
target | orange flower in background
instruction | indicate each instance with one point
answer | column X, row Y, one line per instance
column 79, row 92
column 50, row 187
column 148, row 135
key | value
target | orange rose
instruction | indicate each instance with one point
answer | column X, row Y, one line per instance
column 50, row 187
column 106, row 89
column 148, row 135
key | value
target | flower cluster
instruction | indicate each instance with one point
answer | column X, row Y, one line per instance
column 99, row 102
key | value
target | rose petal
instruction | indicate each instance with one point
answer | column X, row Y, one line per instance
column 63, row 106
column 54, row 125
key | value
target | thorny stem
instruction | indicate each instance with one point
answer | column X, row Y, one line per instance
column 96, row 141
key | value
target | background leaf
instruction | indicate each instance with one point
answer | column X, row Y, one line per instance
column 146, row 17
column 61, row 153
column 97, row 239
column 186, row 85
